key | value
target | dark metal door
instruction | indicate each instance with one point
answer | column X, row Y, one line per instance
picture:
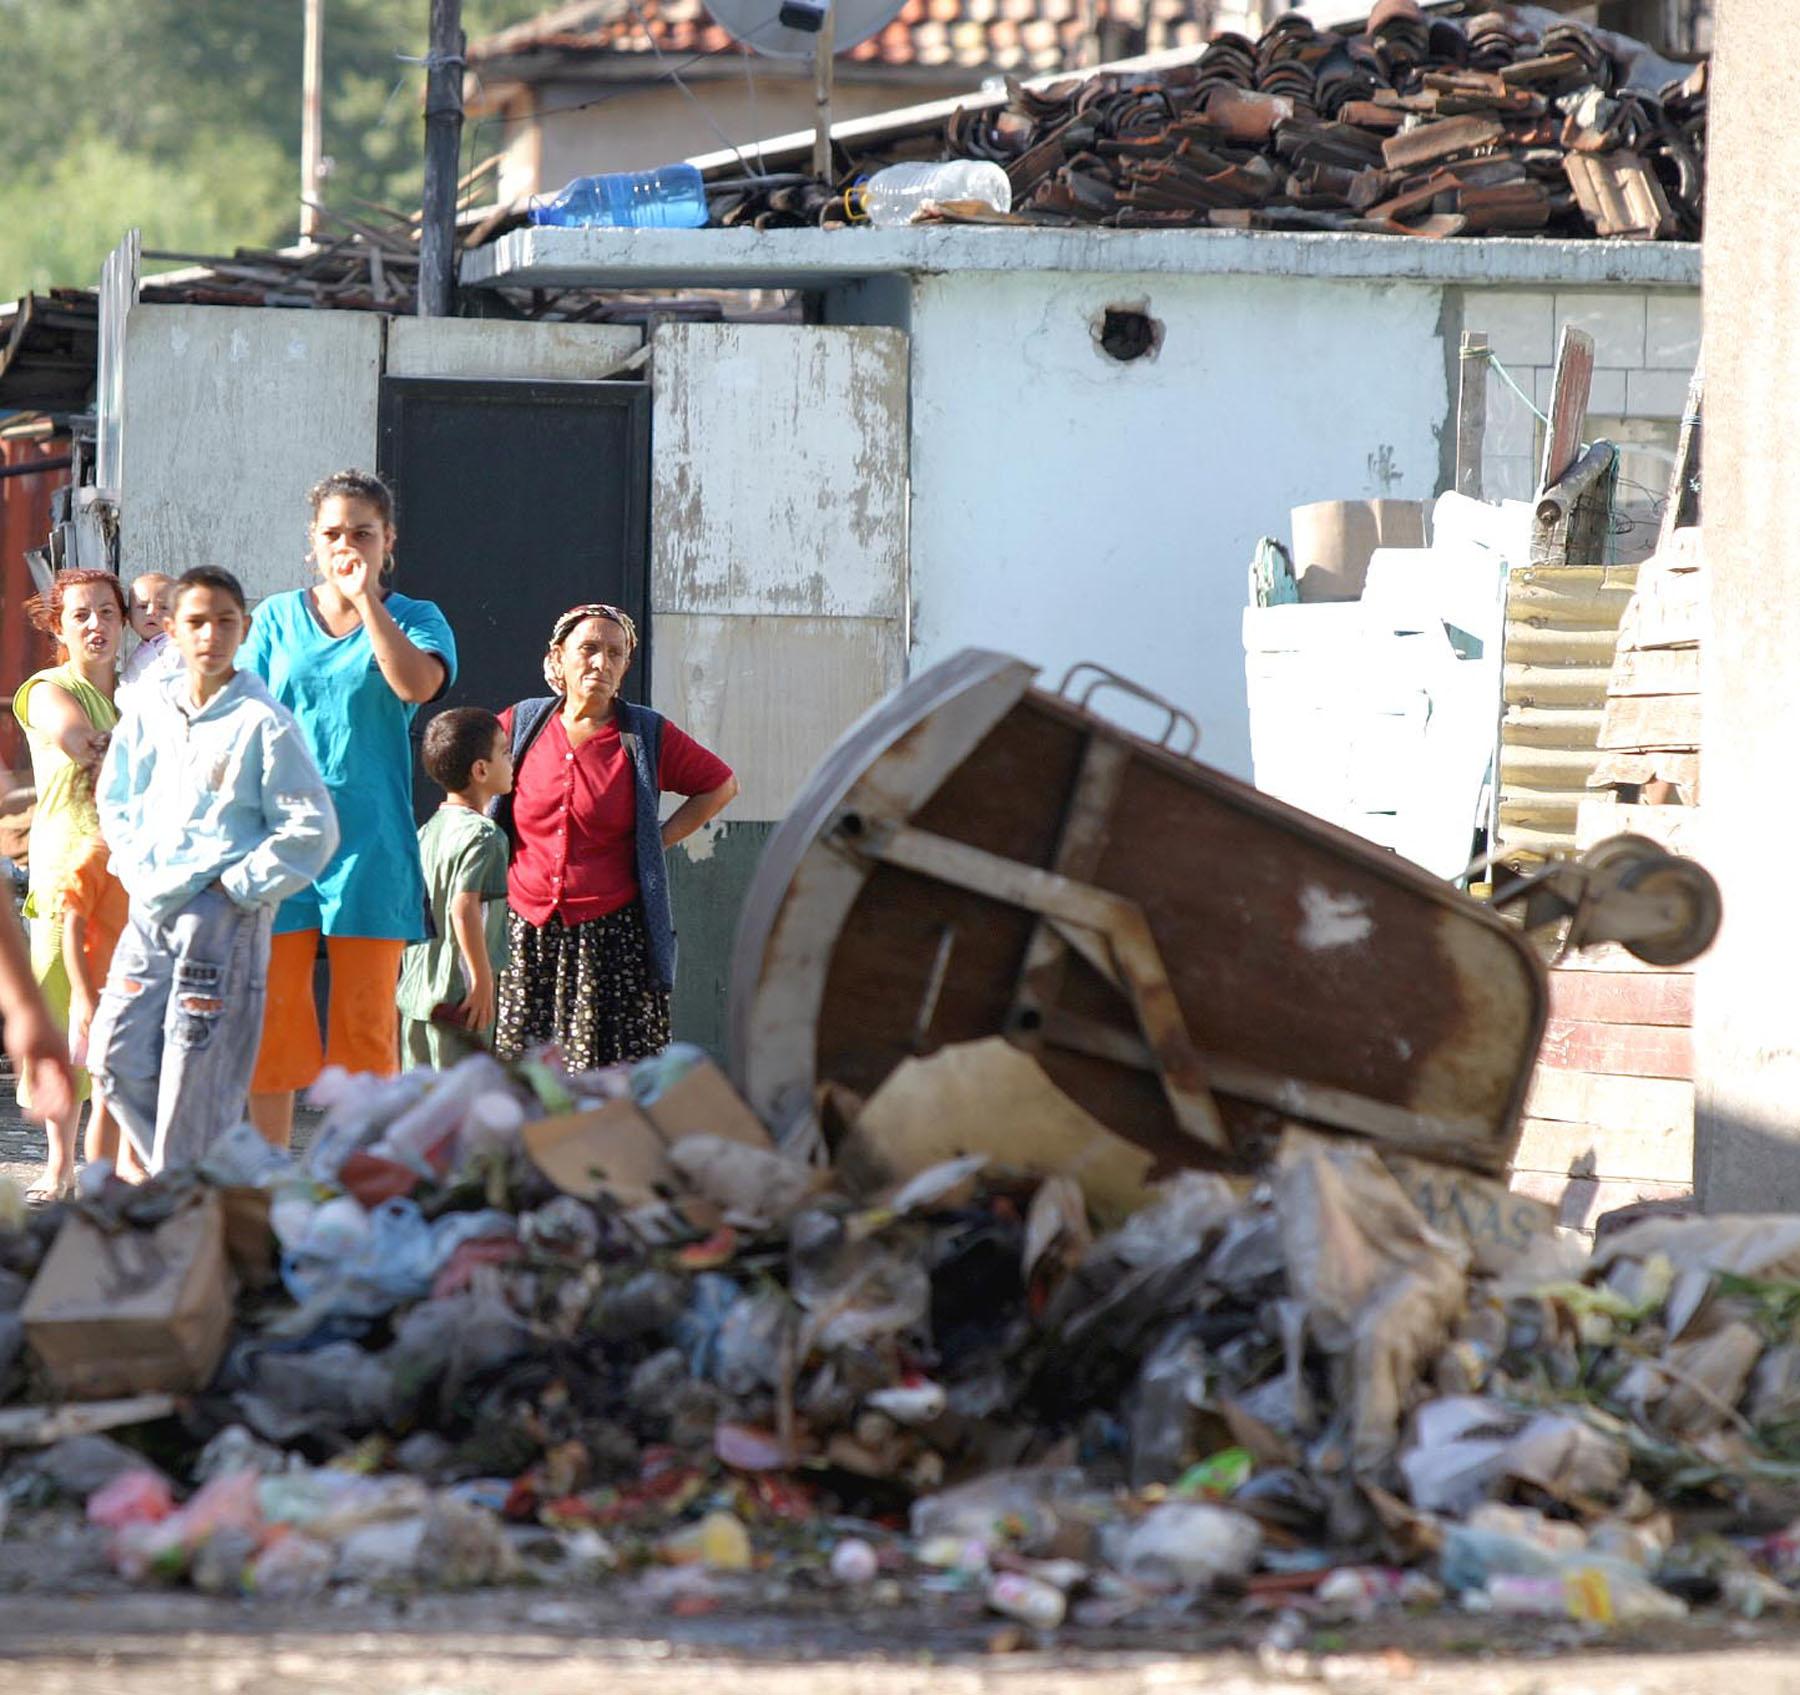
column 514, row 501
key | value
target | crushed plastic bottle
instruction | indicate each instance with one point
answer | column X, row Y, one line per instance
column 671, row 197
column 897, row 194
column 1040, row 1605
column 1590, row 1592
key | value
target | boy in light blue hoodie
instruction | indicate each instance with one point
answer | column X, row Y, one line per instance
column 215, row 813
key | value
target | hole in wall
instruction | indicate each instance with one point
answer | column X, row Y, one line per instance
column 1126, row 331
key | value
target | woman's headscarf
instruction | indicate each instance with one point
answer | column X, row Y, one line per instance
column 575, row 615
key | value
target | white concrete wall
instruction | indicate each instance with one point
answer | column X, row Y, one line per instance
column 471, row 348
column 1067, row 506
column 230, row 416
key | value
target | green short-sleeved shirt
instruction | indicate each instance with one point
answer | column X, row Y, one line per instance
column 461, row 851
column 357, row 729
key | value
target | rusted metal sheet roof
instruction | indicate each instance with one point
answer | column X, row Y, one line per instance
column 1414, row 125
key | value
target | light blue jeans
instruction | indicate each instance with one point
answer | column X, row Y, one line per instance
column 175, row 1035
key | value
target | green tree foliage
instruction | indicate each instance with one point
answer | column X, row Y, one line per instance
column 182, row 117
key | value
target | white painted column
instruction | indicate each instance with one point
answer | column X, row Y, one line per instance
column 1747, row 1155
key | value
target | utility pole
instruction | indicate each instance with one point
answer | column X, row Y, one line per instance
column 443, row 141
column 312, row 128
column 823, row 66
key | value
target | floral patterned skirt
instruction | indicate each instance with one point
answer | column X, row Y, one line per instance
column 586, row 987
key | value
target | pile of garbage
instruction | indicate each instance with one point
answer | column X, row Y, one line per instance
column 502, row 1323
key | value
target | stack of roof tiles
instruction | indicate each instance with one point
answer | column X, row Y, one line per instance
column 1417, row 126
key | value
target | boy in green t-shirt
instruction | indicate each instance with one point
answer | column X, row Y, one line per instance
column 468, row 755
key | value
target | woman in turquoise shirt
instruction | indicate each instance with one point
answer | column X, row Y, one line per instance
column 353, row 661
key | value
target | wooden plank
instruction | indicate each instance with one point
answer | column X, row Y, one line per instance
column 1580, row 1097
column 1668, row 610
column 1661, row 670
column 1579, row 1201
column 1471, row 412
column 1662, row 1155
column 37, row 1427
column 1623, row 997
column 1674, row 827
column 1617, row 1050
column 1609, row 956
column 1683, row 505
column 1568, row 405
column 1621, row 765
column 1640, row 722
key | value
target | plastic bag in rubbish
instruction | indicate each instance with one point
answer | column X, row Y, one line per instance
column 696, row 1331
column 358, row 1108
column 235, row 1449
column 291, row 1568
column 752, row 1186
column 652, row 1076
column 243, row 1158
column 339, row 1386
column 1183, row 1545
column 855, row 1289
column 330, row 1504
column 439, row 1345
column 1004, row 1508
column 565, row 1227
column 747, row 1349
column 1381, row 1289
column 133, row 1497
column 395, row 1261
column 1170, row 1391
column 424, row 1136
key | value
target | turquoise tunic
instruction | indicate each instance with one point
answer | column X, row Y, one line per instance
column 357, row 729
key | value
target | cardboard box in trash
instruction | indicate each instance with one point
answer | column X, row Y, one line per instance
column 623, row 1148
column 133, row 1311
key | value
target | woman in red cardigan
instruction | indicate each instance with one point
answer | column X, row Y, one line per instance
column 591, row 938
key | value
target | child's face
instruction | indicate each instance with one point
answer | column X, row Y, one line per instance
column 208, row 625
column 150, row 601
column 495, row 773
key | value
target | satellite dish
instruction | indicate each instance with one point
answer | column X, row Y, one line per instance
column 758, row 24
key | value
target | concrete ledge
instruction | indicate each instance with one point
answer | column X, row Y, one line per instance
column 815, row 259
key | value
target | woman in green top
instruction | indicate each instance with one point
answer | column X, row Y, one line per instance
column 67, row 714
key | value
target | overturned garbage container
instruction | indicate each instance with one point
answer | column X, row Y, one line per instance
column 1188, row 961
column 988, row 892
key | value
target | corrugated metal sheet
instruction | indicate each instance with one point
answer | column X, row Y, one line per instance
column 1562, row 624
column 24, row 524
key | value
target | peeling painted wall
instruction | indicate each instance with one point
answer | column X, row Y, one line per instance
column 777, row 583
column 231, row 415
column 1067, row 506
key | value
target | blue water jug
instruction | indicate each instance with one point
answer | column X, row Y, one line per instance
column 671, row 197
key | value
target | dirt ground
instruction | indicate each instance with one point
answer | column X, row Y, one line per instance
column 521, row 1643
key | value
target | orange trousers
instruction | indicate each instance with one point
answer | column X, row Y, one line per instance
column 362, row 1024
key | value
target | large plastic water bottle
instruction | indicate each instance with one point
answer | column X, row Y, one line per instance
column 896, row 194
column 671, row 197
